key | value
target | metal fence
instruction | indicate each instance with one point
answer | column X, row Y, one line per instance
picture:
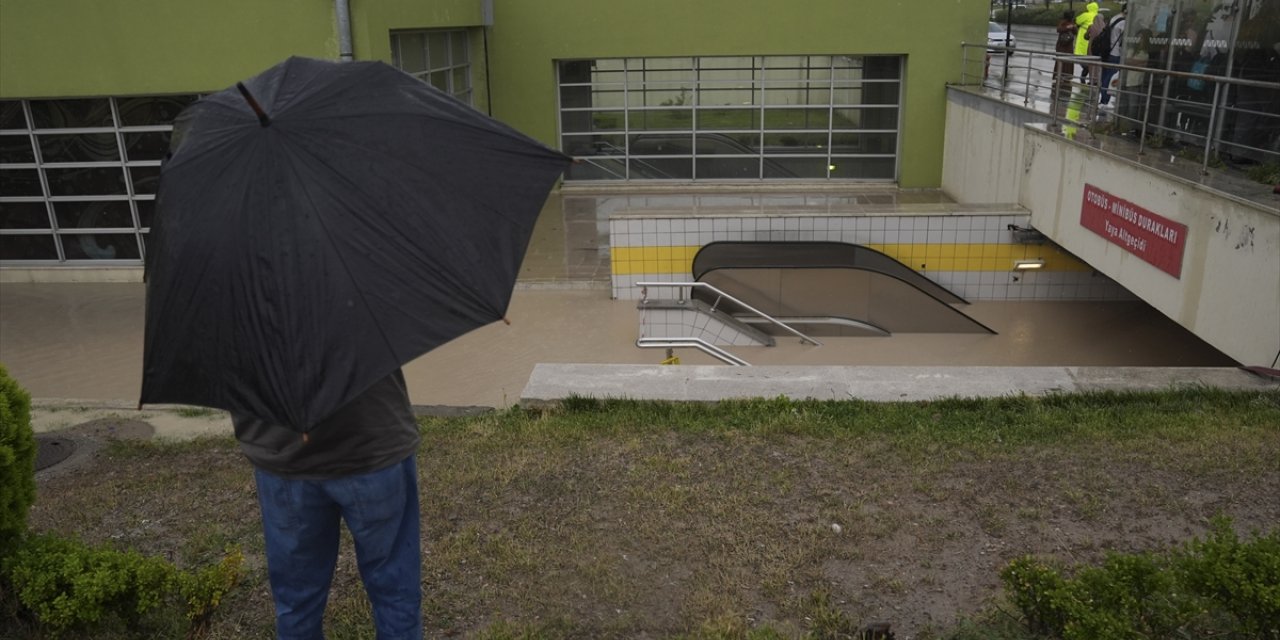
column 1219, row 120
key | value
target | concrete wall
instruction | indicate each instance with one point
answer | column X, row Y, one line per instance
column 1229, row 289
column 969, row 254
column 983, row 157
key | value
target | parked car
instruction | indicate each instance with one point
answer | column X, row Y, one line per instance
column 996, row 35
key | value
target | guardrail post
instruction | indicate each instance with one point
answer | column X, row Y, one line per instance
column 1146, row 113
column 1208, row 132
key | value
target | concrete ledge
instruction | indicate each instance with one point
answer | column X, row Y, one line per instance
column 71, row 274
column 552, row 383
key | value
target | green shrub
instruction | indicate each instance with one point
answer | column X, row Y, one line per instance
column 1219, row 587
column 17, row 460
column 68, row 585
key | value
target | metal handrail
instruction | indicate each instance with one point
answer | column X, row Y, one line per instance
column 644, row 297
column 1214, row 111
column 696, row 343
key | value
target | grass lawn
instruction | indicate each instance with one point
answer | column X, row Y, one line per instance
column 757, row 519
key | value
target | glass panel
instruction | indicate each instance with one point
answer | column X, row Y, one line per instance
column 663, row 64
column 108, row 214
column 797, row 94
column 411, row 51
column 23, row 215
column 595, row 145
column 789, row 143
column 39, row 247
column 865, row 168
column 847, row 62
column 795, row 167
column 796, row 118
column 16, row 149
column 597, row 169
column 461, row 78
column 90, row 181
column 62, row 114
column 100, row 246
column 80, row 147
column 661, row 168
column 11, row 116
column 879, row 93
column 151, row 111
column 728, row 143
column 727, row 76
column 866, row 118
column 864, row 143
column 145, row 179
column 661, row 144
column 20, row 182
column 590, row 121
column 728, row 168
column 728, row 62
column 659, row 96
column 458, row 47
column 651, row 119
column 440, row 80
column 438, row 50
column 728, row 94
column 847, row 95
column 728, row 118
column 146, row 145
column 146, row 212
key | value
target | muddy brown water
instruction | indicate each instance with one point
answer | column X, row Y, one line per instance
column 84, row 341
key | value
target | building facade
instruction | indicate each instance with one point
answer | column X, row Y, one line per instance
column 732, row 91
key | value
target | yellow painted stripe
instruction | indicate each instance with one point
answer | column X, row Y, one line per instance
column 920, row 257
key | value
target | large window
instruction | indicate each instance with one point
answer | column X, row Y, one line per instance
column 78, row 176
column 731, row 118
column 441, row 58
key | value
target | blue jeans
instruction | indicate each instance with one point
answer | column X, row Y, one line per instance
column 1107, row 74
column 300, row 519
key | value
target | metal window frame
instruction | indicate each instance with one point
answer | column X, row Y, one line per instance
column 626, row 83
column 55, row 232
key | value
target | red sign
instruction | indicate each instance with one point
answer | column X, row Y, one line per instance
column 1154, row 238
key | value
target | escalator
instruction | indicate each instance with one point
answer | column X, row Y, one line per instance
column 830, row 289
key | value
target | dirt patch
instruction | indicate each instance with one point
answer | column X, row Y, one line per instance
column 66, row 449
column 651, row 535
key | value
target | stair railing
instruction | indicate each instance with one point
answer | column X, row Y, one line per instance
column 720, row 296
column 695, row 343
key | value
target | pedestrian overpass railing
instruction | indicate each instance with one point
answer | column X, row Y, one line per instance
column 1217, row 120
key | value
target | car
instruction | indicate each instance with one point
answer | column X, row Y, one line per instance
column 996, row 35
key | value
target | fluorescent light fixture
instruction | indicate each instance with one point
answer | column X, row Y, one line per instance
column 1023, row 265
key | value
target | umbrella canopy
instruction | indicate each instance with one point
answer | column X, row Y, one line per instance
column 323, row 223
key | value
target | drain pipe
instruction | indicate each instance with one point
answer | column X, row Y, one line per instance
column 343, row 9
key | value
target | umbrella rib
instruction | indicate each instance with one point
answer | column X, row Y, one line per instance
column 345, row 268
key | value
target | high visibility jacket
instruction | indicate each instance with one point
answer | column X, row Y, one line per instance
column 1083, row 22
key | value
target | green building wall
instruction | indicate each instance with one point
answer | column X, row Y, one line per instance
column 69, row 48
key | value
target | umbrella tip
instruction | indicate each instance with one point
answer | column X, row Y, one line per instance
column 253, row 104
column 506, row 321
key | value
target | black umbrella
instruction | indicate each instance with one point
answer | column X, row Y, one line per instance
column 323, row 223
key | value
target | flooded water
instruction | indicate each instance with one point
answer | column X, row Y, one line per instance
column 84, row 341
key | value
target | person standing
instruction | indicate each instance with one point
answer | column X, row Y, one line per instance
column 1114, row 52
column 1084, row 22
column 356, row 466
column 1066, row 43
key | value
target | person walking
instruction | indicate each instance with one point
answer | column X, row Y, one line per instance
column 356, row 466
